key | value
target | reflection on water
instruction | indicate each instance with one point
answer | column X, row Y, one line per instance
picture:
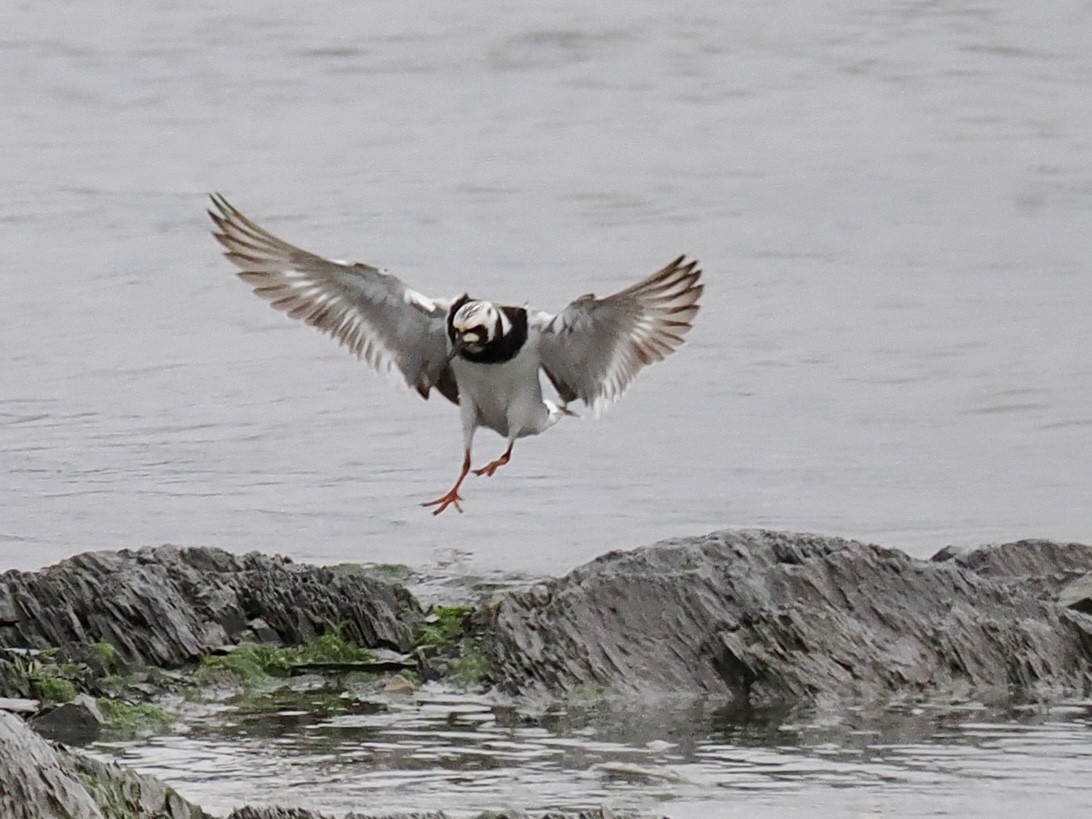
column 462, row 754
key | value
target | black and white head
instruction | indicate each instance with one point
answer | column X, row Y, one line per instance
column 485, row 332
column 477, row 324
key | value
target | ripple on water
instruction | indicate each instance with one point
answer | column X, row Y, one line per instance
column 462, row 753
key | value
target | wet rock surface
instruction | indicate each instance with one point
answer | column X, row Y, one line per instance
column 168, row 606
column 759, row 617
column 41, row 781
column 753, row 618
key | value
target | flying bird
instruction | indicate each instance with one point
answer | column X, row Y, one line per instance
column 482, row 356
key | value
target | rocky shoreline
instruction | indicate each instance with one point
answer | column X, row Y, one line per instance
column 746, row 618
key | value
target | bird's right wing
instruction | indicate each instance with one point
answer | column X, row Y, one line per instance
column 595, row 347
column 373, row 313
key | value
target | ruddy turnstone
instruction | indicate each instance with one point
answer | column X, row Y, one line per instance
column 485, row 357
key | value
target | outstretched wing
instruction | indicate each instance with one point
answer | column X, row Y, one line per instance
column 373, row 313
column 593, row 348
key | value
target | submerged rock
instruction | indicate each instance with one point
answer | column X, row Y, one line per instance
column 167, row 606
column 760, row 617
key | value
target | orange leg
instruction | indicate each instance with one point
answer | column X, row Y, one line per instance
column 493, row 466
column 452, row 496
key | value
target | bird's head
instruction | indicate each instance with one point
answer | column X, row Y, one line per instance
column 475, row 325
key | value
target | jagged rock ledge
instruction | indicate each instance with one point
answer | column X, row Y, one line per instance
column 759, row 617
column 168, row 606
column 751, row 618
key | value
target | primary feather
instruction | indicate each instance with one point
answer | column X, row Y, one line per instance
column 371, row 312
column 593, row 349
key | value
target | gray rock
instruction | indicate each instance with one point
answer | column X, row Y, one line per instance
column 262, row 631
column 760, row 617
column 8, row 614
column 752, row 616
column 76, row 722
column 399, row 685
column 20, row 705
column 1077, row 594
column 34, row 781
column 1039, row 566
column 38, row 781
column 122, row 793
column 167, row 606
column 948, row 552
column 15, row 682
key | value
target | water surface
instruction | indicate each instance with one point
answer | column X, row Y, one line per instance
column 892, row 204
column 444, row 751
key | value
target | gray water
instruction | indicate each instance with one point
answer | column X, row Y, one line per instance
column 443, row 751
column 892, row 203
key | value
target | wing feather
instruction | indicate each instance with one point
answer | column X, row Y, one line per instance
column 371, row 312
column 594, row 348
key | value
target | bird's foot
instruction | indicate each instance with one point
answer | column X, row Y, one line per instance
column 492, row 466
column 452, row 498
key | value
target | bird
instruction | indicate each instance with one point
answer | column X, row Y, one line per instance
column 482, row 356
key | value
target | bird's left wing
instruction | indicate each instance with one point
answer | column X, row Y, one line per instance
column 594, row 348
column 371, row 312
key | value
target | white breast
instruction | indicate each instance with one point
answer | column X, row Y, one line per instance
column 507, row 396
